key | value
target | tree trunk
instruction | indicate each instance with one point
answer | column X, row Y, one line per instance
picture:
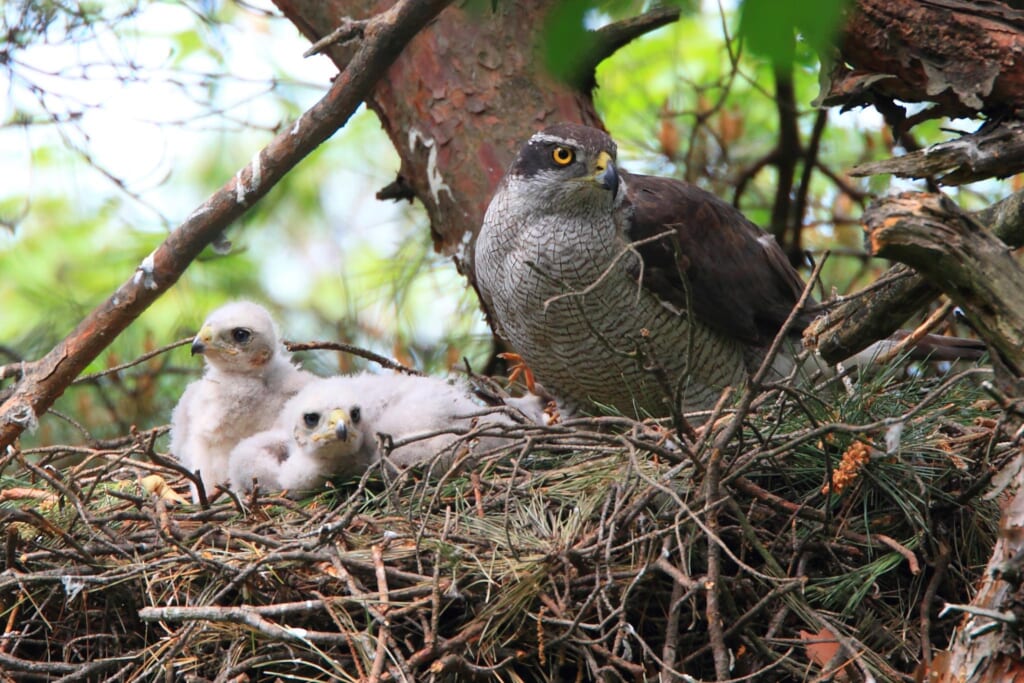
column 457, row 103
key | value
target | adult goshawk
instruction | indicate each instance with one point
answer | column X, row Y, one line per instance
column 624, row 290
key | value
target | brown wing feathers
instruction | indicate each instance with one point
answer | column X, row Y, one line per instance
column 716, row 263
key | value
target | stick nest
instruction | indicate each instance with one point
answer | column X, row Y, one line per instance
column 804, row 538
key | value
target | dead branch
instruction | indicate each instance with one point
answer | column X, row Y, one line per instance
column 247, row 616
column 992, row 152
column 380, row 360
column 853, row 323
column 132, row 363
column 46, row 379
column 974, row 268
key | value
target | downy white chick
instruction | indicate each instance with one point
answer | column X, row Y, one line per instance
column 314, row 440
column 331, row 428
column 249, row 376
column 400, row 407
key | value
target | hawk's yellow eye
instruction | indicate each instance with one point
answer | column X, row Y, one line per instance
column 563, row 156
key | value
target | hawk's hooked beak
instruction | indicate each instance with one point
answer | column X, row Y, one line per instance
column 336, row 427
column 606, row 176
column 202, row 340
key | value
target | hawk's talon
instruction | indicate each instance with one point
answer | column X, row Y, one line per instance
column 518, row 368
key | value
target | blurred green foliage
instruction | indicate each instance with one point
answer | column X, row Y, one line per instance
column 773, row 29
column 333, row 263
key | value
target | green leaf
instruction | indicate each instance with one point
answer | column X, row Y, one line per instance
column 771, row 29
column 565, row 42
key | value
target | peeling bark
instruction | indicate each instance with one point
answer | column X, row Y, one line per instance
column 458, row 103
column 987, row 645
column 967, row 56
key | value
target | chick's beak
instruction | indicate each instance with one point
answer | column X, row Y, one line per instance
column 341, row 431
column 605, row 173
column 336, row 426
column 202, row 339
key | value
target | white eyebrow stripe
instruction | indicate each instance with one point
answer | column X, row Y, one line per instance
column 544, row 137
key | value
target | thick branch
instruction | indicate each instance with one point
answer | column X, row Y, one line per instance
column 899, row 293
column 46, row 379
column 613, row 37
column 973, row 267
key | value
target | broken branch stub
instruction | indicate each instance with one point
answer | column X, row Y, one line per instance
column 876, row 312
column 971, row 265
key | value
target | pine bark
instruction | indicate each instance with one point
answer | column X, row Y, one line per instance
column 458, row 103
column 964, row 55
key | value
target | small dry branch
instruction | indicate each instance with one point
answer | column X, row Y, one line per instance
column 993, row 152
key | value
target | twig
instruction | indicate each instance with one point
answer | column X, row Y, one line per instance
column 754, row 387
column 380, row 360
column 349, row 29
column 240, row 615
column 714, row 581
column 383, row 629
column 141, row 359
column 18, row 664
column 629, row 248
column 919, row 333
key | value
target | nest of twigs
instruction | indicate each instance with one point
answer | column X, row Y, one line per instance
column 803, row 540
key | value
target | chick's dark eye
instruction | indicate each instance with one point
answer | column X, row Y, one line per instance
column 355, row 414
column 241, row 335
column 311, row 419
column 563, row 156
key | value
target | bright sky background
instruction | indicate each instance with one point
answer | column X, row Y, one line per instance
column 147, row 133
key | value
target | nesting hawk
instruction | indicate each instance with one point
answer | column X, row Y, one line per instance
column 247, row 380
column 624, row 290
